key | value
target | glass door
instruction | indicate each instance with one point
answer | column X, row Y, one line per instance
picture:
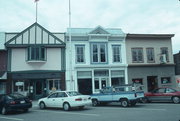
column 100, row 83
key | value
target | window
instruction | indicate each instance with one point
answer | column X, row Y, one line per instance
column 54, row 84
column 80, row 54
column 54, row 95
column 36, row 53
column 98, row 51
column 116, row 53
column 165, row 80
column 164, row 50
column 137, row 55
column 150, row 55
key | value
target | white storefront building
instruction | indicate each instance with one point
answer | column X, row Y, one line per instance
column 98, row 59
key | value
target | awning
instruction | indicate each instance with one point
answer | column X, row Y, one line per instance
column 3, row 75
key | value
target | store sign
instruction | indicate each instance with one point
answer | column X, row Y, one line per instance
column 19, row 83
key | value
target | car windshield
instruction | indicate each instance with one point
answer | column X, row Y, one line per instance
column 15, row 96
column 73, row 93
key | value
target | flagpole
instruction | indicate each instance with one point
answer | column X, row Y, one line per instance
column 70, row 49
column 36, row 9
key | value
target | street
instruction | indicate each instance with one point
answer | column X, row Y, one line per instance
column 112, row 112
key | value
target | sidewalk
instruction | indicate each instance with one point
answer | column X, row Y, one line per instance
column 35, row 103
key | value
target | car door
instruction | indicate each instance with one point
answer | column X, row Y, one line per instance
column 50, row 101
column 158, row 95
column 61, row 97
column 169, row 93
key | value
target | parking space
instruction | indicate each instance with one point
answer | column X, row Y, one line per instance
column 114, row 112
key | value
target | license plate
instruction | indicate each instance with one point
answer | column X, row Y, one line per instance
column 22, row 102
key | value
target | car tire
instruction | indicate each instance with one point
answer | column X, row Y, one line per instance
column 124, row 103
column 42, row 105
column 4, row 111
column 66, row 106
column 95, row 102
column 176, row 99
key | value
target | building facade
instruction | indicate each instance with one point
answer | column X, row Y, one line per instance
column 150, row 60
column 177, row 69
column 36, row 61
column 97, row 58
column 3, row 64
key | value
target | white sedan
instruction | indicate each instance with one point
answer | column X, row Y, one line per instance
column 65, row 100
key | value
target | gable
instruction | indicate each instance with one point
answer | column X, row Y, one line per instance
column 34, row 35
column 99, row 30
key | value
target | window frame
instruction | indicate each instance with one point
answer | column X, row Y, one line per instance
column 167, row 52
column 119, row 55
column 138, row 61
column 99, row 53
column 39, row 54
column 150, row 61
column 83, row 46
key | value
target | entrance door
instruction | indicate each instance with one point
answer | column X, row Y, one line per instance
column 38, row 84
column 152, row 83
column 85, row 86
column 99, row 83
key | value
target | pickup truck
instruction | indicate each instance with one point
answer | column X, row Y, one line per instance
column 126, row 95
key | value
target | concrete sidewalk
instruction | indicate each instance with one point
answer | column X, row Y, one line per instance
column 35, row 103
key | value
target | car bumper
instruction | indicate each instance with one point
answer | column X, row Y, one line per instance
column 81, row 103
column 19, row 106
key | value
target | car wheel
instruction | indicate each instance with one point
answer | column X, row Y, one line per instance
column 66, row 106
column 95, row 102
column 176, row 100
column 42, row 105
column 4, row 111
column 124, row 103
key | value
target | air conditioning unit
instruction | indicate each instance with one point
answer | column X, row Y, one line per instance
column 163, row 58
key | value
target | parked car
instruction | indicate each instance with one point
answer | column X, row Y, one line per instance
column 65, row 100
column 13, row 102
column 164, row 94
column 126, row 95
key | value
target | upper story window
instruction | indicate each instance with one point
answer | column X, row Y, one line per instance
column 116, row 53
column 150, row 55
column 36, row 53
column 98, row 53
column 80, row 53
column 164, row 50
column 137, row 55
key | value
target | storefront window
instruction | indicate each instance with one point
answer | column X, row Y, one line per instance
column 165, row 80
column 2, row 87
column 54, row 84
column 117, row 81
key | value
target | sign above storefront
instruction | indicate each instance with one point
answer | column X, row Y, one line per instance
column 19, row 83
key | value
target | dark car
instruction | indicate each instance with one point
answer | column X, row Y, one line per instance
column 164, row 94
column 13, row 102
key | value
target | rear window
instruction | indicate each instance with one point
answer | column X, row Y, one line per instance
column 15, row 96
column 73, row 93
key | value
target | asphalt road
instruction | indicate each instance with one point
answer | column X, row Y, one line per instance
column 113, row 112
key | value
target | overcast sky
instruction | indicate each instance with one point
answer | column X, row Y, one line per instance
column 132, row 16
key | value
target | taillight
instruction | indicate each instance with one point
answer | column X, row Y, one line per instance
column 12, row 102
column 78, row 99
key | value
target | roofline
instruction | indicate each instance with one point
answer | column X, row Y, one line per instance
column 150, row 35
